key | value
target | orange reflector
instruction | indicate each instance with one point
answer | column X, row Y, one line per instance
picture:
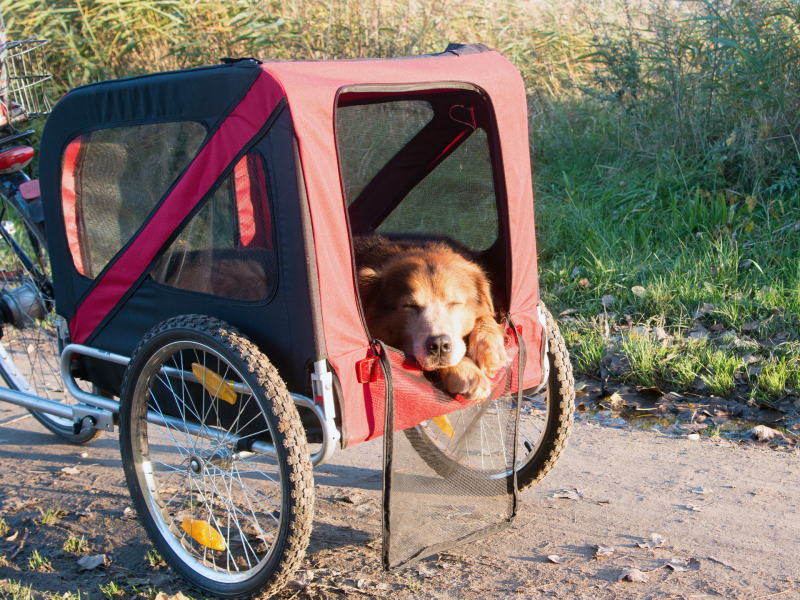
column 444, row 424
column 214, row 384
column 203, row 533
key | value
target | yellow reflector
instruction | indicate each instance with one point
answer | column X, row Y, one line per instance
column 214, row 384
column 444, row 424
column 203, row 533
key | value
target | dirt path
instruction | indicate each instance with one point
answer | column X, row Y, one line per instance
column 744, row 537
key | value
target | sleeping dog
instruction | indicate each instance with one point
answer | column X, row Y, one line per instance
column 433, row 302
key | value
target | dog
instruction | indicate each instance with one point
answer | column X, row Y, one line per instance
column 431, row 300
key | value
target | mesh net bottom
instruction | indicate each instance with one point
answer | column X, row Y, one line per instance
column 448, row 479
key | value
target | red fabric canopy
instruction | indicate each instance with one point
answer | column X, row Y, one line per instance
column 311, row 89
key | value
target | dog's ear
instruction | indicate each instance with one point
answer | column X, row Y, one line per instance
column 369, row 282
column 484, row 290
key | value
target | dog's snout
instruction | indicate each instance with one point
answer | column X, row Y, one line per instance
column 439, row 345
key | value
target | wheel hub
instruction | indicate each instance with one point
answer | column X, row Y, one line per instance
column 195, row 465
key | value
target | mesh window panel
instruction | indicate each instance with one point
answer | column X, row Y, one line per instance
column 369, row 135
column 113, row 178
column 456, row 199
column 448, row 471
column 226, row 249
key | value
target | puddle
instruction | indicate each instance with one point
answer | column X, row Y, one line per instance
column 651, row 409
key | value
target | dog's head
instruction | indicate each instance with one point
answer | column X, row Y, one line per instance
column 425, row 301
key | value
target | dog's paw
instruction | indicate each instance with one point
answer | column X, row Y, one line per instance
column 487, row 346
column 467, row 379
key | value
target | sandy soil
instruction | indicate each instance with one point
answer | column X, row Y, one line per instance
column 631, row 484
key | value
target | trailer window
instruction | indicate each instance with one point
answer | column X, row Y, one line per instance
column 226, row 249
column 112, row 179
column 421, row 165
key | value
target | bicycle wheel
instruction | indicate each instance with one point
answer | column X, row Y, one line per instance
column 29, row 351
column 232, row 522
column 545, row 422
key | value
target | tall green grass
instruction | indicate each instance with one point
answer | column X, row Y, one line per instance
column 665, row 136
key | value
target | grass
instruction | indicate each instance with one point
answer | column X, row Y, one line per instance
column 14, row 590
column 154, row 558
column 112, row 590
column 51, row 515
column 37, row 562
column 665, row 141
column 76, row 545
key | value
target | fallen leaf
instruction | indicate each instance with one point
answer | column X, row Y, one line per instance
column 584, row 284
column 564, row 495
column 615, row 400
column 660, row 333
column 634, row 575
column 608, row 301
column 575, row 272
column 90, row 563
column 13, row 536
column 717, row 327
column 655, row 541
column 639, row 291
column 581, row 407
column 649, row 391
column 703, row 310
column 691, row 564
column 351, row 499
column 128, row 514
column 362, row 583
column 754, row 371
column 762, row 433
column 751, row 326
column 559, row 560
column 569, row 311
column 70, row 471
column 303, row 579
column 702, row 491
column 603, row 551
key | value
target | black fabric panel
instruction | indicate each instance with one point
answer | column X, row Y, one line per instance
column 197, row 95
column 283, row 327
column 466, row 49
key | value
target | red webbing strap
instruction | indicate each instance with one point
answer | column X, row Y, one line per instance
column 68, row 199
column 244, row 202
column 255, row 226
column 236, row 131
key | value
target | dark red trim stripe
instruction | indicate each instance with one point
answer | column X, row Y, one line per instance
column 244, row 122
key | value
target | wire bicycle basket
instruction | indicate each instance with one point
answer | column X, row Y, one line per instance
column 26, row 66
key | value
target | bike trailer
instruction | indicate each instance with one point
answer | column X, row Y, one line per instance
column 186, row 210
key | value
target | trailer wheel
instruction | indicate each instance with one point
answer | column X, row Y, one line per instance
column 216, row 458
column 544, row 427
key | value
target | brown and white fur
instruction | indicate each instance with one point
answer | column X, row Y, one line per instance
column 432, row 301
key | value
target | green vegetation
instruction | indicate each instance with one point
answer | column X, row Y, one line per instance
column 37, row 562
column 51, row 515
column 665, row 142
column 14, row 590
column 75, row 544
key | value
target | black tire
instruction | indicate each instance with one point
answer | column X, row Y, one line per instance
column 278, row 547
column 33, row 349
column 558, row 397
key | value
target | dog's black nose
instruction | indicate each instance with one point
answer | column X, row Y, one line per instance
column 439, row 345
